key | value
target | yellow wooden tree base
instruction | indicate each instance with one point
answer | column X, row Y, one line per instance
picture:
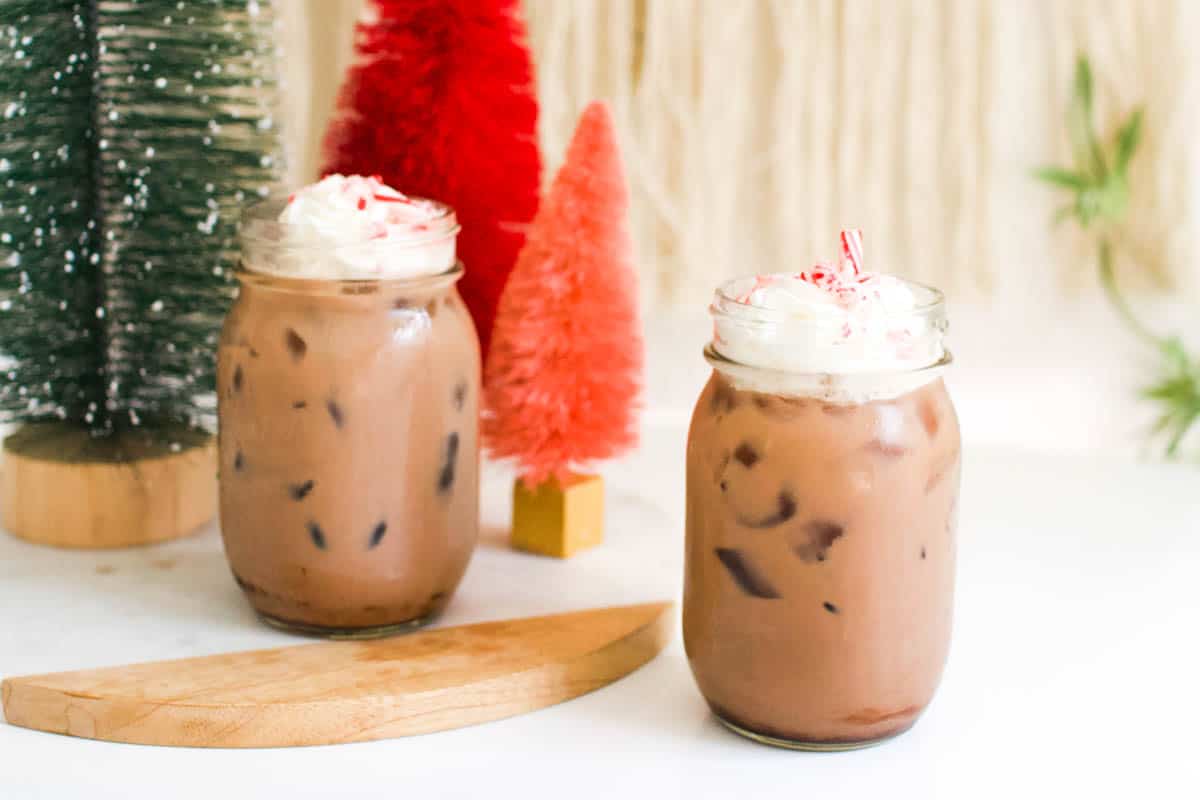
column 559, row 519
column 61, row 486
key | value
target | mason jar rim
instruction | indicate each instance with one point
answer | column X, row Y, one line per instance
column 726, row 364
column 349, row 286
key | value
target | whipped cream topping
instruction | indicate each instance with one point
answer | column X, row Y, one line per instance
column 837, row 332
column 351, row 227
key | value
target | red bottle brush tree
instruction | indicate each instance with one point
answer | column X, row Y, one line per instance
column 440, row 103
column 565, row 371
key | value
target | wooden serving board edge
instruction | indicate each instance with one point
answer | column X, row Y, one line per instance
column 29, row 704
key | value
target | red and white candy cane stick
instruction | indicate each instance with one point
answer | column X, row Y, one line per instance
column 852, row 249
column 822, row 274
column 760, row 282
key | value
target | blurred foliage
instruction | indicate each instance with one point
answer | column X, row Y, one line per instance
column 1098, row 185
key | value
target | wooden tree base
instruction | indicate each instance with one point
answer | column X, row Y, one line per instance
column 62, row 486
column 556, row 519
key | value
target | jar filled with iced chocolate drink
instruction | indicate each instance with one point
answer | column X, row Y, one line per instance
column 822, row 486
column 348, row 385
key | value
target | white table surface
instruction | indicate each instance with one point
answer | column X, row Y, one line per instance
column 1075, row 669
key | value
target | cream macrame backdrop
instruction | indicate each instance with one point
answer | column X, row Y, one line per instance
column 754, row 129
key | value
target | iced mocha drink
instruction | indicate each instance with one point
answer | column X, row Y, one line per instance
column 348, row 382
column 822, row 481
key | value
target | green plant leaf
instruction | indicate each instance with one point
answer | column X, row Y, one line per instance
column 1160, row 425
column 1063, row 214
column 1089, row 157
column 1112, row 197
column 1061, row 177
column 1167, row 391
column 1177, row 394
column 1077, row 131
column 1083, row 85
column 1182, row 425
column 1127, row 140
column 1175, row 353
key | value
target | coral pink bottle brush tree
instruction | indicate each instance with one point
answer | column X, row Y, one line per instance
column 564, row 375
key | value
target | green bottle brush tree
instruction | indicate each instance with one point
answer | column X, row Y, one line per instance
column 131, row 134
column 1099, row 187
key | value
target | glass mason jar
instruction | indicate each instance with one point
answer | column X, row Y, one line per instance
column 821, row 514
column 349, row 455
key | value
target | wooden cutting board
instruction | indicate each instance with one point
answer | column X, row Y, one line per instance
column 346, row 691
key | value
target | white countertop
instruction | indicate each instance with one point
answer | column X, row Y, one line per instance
column 1073, row 671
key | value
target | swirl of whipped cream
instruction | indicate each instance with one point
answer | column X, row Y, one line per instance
column 852, row 337
column 351, row 227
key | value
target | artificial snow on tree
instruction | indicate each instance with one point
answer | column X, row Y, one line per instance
column 441, row 103
column 565, row 372
column 131, row 133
